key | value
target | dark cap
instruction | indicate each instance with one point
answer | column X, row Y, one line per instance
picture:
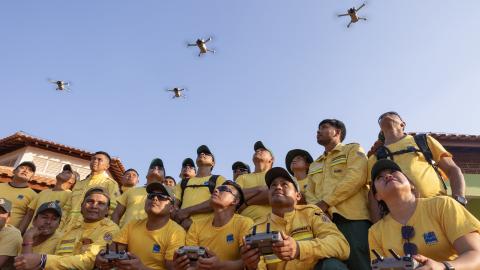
column 239, row 164
column 50, row 206
column 163, row 189
column 336, row 124
column 241, row 196
column 99, row 190
column 29, row 164
column 275, row 172
column 294, row 153
column 6, row 205
column 204, row 149
column 67, row 167
column 156, row 162
column 260, row 145
column 384, row 164
column 189, row 162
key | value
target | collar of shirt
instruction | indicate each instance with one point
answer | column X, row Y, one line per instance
column 337, row 148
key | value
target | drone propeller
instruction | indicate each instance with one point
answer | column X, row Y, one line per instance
column 361, row 6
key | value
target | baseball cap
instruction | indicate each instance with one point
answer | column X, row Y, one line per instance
column 239, row 164
column 6, row 205
column 384, row 164
column 29, row 164
column 189, row 162
column 50, row 206
column 275, row 172
column 163, row 189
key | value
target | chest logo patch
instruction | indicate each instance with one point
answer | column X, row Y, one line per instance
column 430, row 238
column 156, row 248
column 20, row 197
column 230, row 238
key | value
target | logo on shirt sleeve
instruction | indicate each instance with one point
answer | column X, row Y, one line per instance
column 20, row 196
column 156, row 248
column 430, row 238
column 230, row 238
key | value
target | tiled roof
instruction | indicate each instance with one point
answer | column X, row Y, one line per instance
column 37, row 182
column 21, row 139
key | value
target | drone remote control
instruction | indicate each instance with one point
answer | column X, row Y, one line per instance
column 115, row 255
column 396, row 262
column 193, row 252
column 263, row 241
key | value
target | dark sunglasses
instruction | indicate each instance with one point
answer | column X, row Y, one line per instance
column 408, row 232
column 224, row 188
column 159, row 196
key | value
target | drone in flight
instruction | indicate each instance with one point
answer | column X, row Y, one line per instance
column 352, row 12
column 61, row 85
column 177, row 92
column 202, row 45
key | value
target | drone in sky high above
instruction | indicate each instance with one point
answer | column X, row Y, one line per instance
column 177, row 92
column 61, row 85
column 202, row 45
column 352, row 12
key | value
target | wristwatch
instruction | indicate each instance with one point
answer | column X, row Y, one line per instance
column 448, row 266
column 462, row 200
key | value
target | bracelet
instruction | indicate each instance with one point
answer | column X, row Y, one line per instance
column 43, row 261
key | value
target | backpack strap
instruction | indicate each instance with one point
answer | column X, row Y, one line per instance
column 212, row 183
column 422, row 143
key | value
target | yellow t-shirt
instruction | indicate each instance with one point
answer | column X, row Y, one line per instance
column 415, row 167
column 134, row 202
column 152, row 247
column 196, row 195
column 339, row 178
column 252, row 180
column 302, row 184
column 48, row 195
column 437, row 222
column 224, row 241
column 74, row 203
column 79, row 246
column 317, row 237
column 10, row 245
column 125, row 188
column 48, row 246
column 20, row 198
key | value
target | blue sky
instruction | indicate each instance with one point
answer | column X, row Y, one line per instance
column 281, row 67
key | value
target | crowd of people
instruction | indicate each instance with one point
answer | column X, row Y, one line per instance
column 332, row 212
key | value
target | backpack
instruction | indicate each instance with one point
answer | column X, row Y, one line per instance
column 421, row 140
column 212, row 183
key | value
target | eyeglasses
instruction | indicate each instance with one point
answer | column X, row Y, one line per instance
column 408, row 232
column 159, row 196
column 224, row 188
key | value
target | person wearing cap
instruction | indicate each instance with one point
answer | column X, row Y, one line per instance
column 60, row 193
column 42, row 237
column 438, row 231
column 19, row 193
column 194, row 194
column 309, row 239
column 337, row 183
column 428, row 182
column 188, row 169
column 78, row 246
column 99, row 164
column 10, row 237
column 131, row 204
column 221, row 233
column 239, row 168
column 129, row 179
column 151, row 242
column 170, row 181
column 253, row 184
column 297, row 162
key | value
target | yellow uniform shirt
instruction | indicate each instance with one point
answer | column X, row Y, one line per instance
column 224, row 241
column 74, row 204
column 79, row 246
column 302, row 184
column 134, row 202
column 10, row 244
column 415, row 166
column 252, row 180
column 48, row 246
column 339, row 178
column 437, row 222
column 125, row 188
column 152, row 247
column 49, row 195
column 318, row 238
column 196, row 195
column 20, row 198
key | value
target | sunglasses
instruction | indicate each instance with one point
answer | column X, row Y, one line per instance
column 408, row 232
column 159, row 196
column 224, row 188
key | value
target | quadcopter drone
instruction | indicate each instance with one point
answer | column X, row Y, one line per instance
column 352, row 12
column 61, row 85
column 177, row 92
column 202, row 45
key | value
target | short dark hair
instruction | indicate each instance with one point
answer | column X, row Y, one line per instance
column 336, row 124
column 131, row 170
column 105, row 154
column 170, row 177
